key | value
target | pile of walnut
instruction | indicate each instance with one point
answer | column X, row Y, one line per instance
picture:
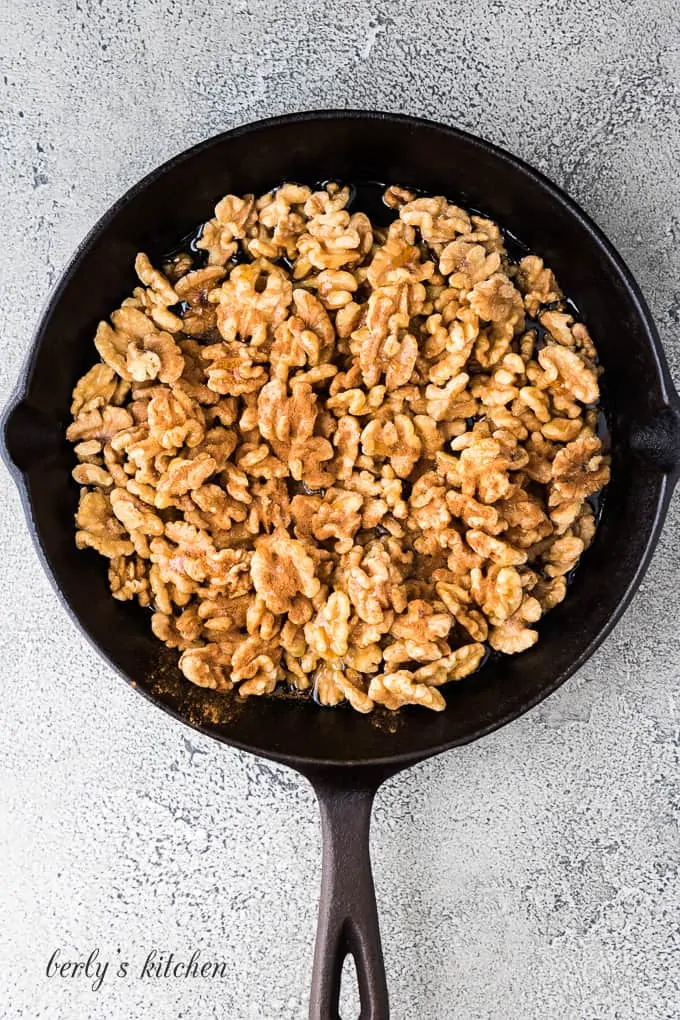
column 333, row 455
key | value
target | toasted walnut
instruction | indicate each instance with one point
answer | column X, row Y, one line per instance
column 233, row 217
column 327, row 634
column 498, row 594
column 332, row 455
column 96, row 424
column 394, row 690
column 338, row 517
column 128, row 579
column 156, row 357
column 454, row 666
column 394, row 356
column 550, row 593
column 281, row 218
column 94, row 390
column 467, row 264
column 437, row 220
column 571, row 369
column 513, row 635
column 580, row 469
column 256, row 662
column 98, row 528
column 207, row 666
column 134, row 514
column 333, row 239
column 281, row 568
column 537, row 283
column 395, row 440
column 493, row 299
column 421, row 623
column 92, row 475
column 395, row 197
column 563, row 554
column 181, row 476
column 252, row 302
column 373, row 582
column 154, row 280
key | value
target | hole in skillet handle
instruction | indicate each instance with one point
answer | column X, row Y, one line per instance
column 27, row 437
column 350, row 1006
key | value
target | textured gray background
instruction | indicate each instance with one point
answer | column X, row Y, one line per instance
column 533, row 875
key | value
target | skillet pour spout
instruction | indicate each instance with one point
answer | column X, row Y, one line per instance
column 658, row 442
column 344, row 755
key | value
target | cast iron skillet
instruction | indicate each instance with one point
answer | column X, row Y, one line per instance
column 345, row 755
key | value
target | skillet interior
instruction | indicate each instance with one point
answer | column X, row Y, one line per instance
column 353, row 147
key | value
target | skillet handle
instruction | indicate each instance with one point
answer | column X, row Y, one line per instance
column 348, row 915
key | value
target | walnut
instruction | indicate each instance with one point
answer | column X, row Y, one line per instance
column 112, row 348
column 256, row 662
column 550, row 593
column 252, row 302
column 395, row 264
column 389, row 354
column 233, row 217
column 395, row 440
column 372, row 581
column 231, row 370
column 494, row 299
column 175, row 420
column 92, row 475
column 356, row 401
column 395, row 197
column 333, row 239
column 538, row 284
column 314, row 318
column 570, row 368
column 98, row 528
column 562, row 430
column 526, row 521
column 563, row 554
column 580, row 469
column 156, row 357
column 98, row 424
column 513, row 635
column 281, row 568
column 328, row 633
column 150, row 303
column 333, row 456
column 194, row 291
column 207, row 666
column 154, row 280
column 467, row 264
column 498, row 593
column 128, row 579
column 456, row 600
column 282, row 217
column 338, row 517
column 94, row 390
column 334, row 288
column 437, row 220
column 446, row 403
column 454, row 666
column 393, row 690
column 134, row 514
column 182, row 476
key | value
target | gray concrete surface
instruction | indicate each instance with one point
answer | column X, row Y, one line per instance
column 533, row 875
